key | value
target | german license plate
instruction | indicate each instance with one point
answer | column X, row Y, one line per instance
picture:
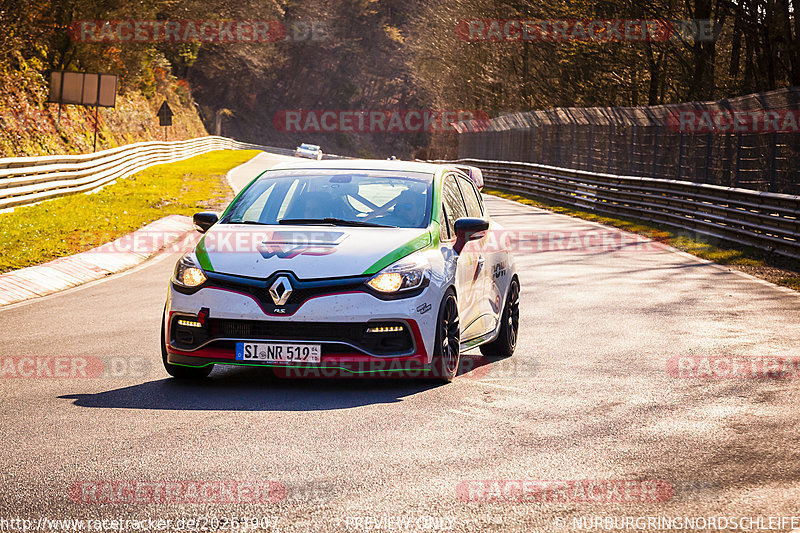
column 278, row 352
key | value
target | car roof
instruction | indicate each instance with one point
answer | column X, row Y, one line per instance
column 361, row 164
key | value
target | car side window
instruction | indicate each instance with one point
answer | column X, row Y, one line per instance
column 445, row 228
column 471, row 197
column 453, row 202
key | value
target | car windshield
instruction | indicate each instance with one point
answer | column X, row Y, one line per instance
column 309, row 147
column 335, row 197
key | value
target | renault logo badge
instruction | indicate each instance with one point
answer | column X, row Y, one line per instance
column 281, row 290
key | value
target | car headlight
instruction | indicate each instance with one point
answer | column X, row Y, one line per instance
column 407, row 274
column 187, row 273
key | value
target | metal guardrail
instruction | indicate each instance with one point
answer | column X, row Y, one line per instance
column 769, row 221
column 26, row 180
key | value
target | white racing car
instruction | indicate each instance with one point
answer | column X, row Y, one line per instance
column 345, row 268
column 311, row 151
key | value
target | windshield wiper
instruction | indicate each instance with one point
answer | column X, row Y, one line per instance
column 333, row 222
column 253, row 222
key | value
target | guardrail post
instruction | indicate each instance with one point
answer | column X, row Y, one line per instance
column 738, row 159
column 773, row 162
column 573, row 153
column 655, row 150
column 542, row 142
column 94, row 146
column 558, row 146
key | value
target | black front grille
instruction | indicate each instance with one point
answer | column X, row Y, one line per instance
column 261, row 329
column 298, row 295
column 301, row 290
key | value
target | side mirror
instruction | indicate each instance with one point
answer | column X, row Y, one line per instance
column 203, row 221
column 469, row 229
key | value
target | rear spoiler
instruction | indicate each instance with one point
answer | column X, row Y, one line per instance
column 474, row 173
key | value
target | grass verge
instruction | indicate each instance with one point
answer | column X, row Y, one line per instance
column 35, row 234
column 773, row 268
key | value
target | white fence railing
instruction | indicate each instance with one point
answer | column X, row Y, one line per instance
column 25, row 180
column 769, row 221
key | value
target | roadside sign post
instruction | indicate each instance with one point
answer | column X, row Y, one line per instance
column 165, row 117
column 96, row 120
column 60, row 92
column 83, row 88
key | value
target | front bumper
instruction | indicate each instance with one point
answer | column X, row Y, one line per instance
column 401, row 367
column 338, row 322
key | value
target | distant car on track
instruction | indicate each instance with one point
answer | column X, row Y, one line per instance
column 311, row 151
column 365, row 267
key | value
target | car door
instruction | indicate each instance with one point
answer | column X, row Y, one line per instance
column 467, row 265
column 484, row 281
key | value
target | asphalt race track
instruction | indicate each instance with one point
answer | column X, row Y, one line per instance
column 601, row 396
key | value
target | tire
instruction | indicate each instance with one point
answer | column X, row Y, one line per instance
column 506, row 341
column 447, row 349
column 178, row 371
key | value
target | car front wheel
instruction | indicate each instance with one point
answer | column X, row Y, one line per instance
column 447, row 350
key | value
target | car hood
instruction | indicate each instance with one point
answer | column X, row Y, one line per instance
column 310, row 252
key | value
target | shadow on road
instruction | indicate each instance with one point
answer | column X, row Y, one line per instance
column 253, row 390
